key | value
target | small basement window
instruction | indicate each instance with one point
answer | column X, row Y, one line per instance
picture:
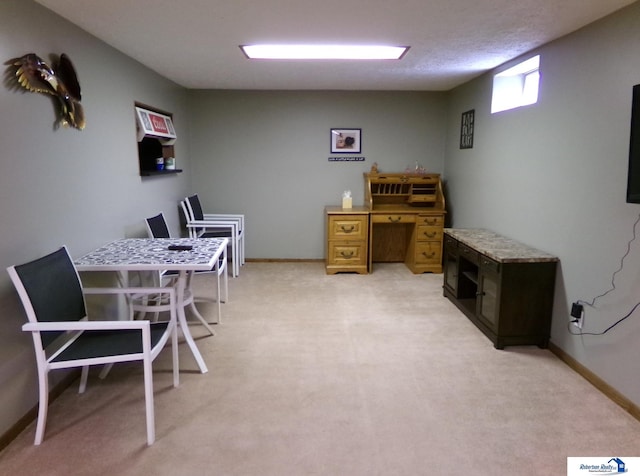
column 516, row 86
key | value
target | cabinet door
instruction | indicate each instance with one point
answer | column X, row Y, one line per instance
column 451, row 273
column 451, row 265
column 488, row 302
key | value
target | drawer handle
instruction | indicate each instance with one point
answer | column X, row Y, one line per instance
column 430, row 222
column 347, row 254
column 347, row 229
column 429, row 255
column 430, row 234
column 396, row 220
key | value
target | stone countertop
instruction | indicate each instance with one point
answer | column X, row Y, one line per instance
column 498, row 247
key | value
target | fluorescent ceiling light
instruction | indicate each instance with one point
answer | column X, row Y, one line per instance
column 347, row 52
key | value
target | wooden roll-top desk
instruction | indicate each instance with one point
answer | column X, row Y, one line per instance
column 404, row 216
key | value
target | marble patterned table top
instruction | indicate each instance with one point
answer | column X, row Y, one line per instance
column 153, row 254
column 498, row 247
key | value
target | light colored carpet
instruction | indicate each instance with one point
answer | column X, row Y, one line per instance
column 312, row 374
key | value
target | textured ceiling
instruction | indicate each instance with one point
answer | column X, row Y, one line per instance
column 195, row 42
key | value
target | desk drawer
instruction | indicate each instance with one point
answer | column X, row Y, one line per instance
column 428, row 252
column 393, row 218
column 345, row 253
column 348, row 227
column 428, row 233
column 430, row 220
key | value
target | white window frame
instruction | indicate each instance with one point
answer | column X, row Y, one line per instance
column 517, row 86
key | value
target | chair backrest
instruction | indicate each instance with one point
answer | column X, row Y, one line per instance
column 50, row 290
column 157, row 227
column 186, row 214
column 196, row 209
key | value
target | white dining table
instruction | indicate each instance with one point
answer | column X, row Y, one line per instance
column 153, row 254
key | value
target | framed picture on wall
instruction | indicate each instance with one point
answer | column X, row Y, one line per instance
column 346, row 141
column 466, row 129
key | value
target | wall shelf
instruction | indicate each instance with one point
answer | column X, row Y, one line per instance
column 156, row 137
column 150, row 173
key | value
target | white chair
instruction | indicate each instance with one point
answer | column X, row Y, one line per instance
column 202, row 224
column 53, row 298
column 157, row 228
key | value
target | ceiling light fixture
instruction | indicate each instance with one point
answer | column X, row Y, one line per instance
column 324, row 52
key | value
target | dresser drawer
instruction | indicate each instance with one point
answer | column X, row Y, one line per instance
column 393, row 218
column 428, row 252
column 428, row 233
column 347, row 253
column 348, row 227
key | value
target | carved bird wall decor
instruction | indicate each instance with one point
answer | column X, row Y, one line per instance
column 58, row 80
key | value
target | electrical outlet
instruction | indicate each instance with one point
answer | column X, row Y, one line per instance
column 577, row 315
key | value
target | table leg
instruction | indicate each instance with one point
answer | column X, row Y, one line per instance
column 182, row 320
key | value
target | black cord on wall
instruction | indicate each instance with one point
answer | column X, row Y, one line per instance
column 613, row 287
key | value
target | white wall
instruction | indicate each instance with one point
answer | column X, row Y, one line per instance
column 553, row 175
column 265, row 154
column 79, row 188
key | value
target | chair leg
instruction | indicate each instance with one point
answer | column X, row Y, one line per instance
column 242, row 248
column 225, row 279
column 218, row 295
column 148, row 397
column 83, row 379
column 234, row 256
column 105, row 371
column 43, row 406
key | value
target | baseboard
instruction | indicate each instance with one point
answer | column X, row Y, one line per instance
column 13, row 432
column 284, row 260
column 597, row 382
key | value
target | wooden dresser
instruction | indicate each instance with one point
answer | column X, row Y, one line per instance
column 504, row 287
column 406, row 220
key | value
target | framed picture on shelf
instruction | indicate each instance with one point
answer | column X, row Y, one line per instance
column 346, row 141
column 155, row 123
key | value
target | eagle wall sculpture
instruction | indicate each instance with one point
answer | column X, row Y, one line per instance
column 58, row 80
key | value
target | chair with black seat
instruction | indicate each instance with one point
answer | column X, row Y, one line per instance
column 157, row 228
column 54, row 301
column 230, row 225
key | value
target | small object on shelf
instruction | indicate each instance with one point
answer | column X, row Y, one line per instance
column 159, row 163
column 170, row 163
